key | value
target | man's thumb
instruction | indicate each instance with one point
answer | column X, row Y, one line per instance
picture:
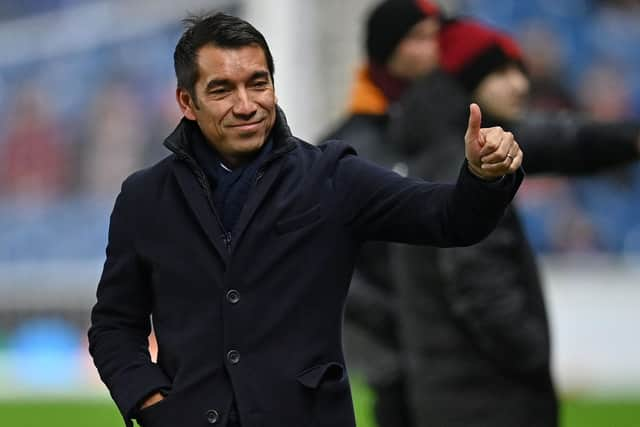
column 475, row 121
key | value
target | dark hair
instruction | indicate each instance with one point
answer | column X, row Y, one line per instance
column 218, row 29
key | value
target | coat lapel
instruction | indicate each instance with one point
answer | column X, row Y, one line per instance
column 199, row 204
column 262, row 187
column 196, row 196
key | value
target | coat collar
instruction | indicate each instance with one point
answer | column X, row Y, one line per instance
column 201, row 203
column 181, row 139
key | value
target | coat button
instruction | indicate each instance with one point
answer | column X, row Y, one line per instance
column 212, row 416
column 233, row 296
column 233, row 356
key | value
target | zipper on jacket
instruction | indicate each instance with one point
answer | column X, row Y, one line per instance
column 226, row 237
column 204, row 183
column 261, row 170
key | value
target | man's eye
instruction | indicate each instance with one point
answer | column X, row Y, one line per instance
column 219, row 91
column 261, row 83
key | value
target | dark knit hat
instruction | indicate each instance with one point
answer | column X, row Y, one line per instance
column 470, row 51
column 390, row 21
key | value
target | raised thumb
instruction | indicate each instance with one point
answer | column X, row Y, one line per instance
column 475, row 122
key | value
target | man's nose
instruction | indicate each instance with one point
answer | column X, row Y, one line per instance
column 244, row 106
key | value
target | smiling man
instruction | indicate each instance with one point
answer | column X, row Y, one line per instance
column 239, row 248
column 233, row 100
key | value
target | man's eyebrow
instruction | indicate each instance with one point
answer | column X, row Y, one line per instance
column 226, row 82
column 218, row 82
column 259, row 75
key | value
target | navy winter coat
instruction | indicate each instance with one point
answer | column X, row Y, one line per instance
column 260, row 316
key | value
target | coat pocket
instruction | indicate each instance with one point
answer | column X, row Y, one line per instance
column 327, row 391
column 328, row 373
column 309, row 217
column 157, row 413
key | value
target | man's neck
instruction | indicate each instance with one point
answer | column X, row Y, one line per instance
column 230, row 162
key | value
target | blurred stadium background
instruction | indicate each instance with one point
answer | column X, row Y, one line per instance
column 86, row 97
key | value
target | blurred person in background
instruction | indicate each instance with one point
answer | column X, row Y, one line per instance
column 473, row 319
column 164, row 119
column 34, row 162
column 241, row 245
column 603, row 92
column 401, row 40
column 544, row 58
column 115, row 141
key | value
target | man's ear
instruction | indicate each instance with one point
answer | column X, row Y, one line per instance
column 186, row 103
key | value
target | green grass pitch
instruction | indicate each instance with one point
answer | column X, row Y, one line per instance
column 102, row 413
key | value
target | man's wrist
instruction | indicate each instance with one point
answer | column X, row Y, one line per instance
column 152, row 399
column 478, row 173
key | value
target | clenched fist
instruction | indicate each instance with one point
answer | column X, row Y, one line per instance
column 490, row 152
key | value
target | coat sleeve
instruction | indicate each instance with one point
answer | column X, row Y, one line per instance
column 120, row 320
column 378, row 204
column 495, row 300
column 571, row 145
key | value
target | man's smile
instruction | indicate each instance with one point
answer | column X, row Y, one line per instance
column 247, row 127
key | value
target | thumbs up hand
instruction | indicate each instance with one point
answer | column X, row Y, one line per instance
column 490, row 152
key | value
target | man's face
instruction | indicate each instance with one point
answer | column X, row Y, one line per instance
column 418, row 52
column 503, row 93
column 235, row 102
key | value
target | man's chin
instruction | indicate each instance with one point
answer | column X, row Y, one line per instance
column 249, row 145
